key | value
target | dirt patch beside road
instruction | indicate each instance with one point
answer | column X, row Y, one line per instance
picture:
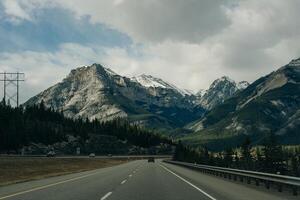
column 18, row 169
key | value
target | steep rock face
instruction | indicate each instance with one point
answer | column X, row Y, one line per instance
column 97, row 92
column 85, row 93
column 269, row 105
column 220, row 90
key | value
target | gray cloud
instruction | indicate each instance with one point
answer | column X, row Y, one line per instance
column 259, row 36
column 156, row 20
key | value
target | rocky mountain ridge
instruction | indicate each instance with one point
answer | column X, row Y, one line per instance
column 220, row 90
column 96, row 92
column 271, row 104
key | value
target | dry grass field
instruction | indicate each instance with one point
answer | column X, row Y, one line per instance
column 15, row 169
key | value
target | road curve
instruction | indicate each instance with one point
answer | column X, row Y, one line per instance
column 137, row 180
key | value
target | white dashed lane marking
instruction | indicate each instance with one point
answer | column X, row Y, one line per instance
column 107, row 195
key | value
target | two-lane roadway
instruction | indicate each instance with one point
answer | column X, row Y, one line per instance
column 137, row 180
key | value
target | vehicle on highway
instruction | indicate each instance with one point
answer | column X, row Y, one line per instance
column 51, row 154
column 92, row 155
column 151, row 159
column 109, row 155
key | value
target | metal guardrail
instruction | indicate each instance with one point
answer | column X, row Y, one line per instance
column 268, row 179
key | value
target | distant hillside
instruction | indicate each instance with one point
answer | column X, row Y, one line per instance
column 269, row 105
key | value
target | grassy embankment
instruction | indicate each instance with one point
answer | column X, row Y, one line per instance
column 15, row 170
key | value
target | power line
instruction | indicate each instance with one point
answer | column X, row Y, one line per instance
column 11, row 79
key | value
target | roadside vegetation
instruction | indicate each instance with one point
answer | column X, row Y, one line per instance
column 269, row 157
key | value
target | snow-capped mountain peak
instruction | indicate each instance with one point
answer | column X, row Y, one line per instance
column 220, row 90
column 242, row 85
column 223, row 79
column 151, row 81
column 295, row 62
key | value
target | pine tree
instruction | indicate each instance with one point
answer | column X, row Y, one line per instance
column 179, row 152
column 228, row 157
column 246, row 154
column 273, row 153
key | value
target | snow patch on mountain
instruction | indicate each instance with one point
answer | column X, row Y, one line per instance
column 242, row 85
column 150, row 81
column 110, row 72
column 295, row 63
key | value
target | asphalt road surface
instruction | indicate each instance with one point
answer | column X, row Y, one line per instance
column 138, row 180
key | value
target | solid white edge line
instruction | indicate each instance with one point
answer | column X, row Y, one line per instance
column 123, row 182
column 46, row 186
column 191, row 184
column 107, row 195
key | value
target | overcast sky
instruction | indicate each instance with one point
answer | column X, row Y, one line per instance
column 189, row 43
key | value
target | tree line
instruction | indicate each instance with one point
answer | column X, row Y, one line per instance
column 37, row 124
column 269, row 157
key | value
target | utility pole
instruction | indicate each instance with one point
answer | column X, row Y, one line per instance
column 17, row 89
column 11, row 80
column 4, row 89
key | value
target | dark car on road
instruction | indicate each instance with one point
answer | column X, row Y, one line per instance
column 51, row 154
column 151, row 159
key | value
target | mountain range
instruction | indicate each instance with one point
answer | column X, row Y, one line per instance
column 98, row 92
column 271, row 104
column 225, row 112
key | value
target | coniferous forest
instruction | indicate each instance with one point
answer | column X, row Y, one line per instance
column 21, row 127
column 270, row 157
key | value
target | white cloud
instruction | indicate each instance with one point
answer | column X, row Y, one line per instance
column 14, row 10
column 19, row 10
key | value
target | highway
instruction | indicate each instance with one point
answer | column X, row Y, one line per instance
column 138, row 180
